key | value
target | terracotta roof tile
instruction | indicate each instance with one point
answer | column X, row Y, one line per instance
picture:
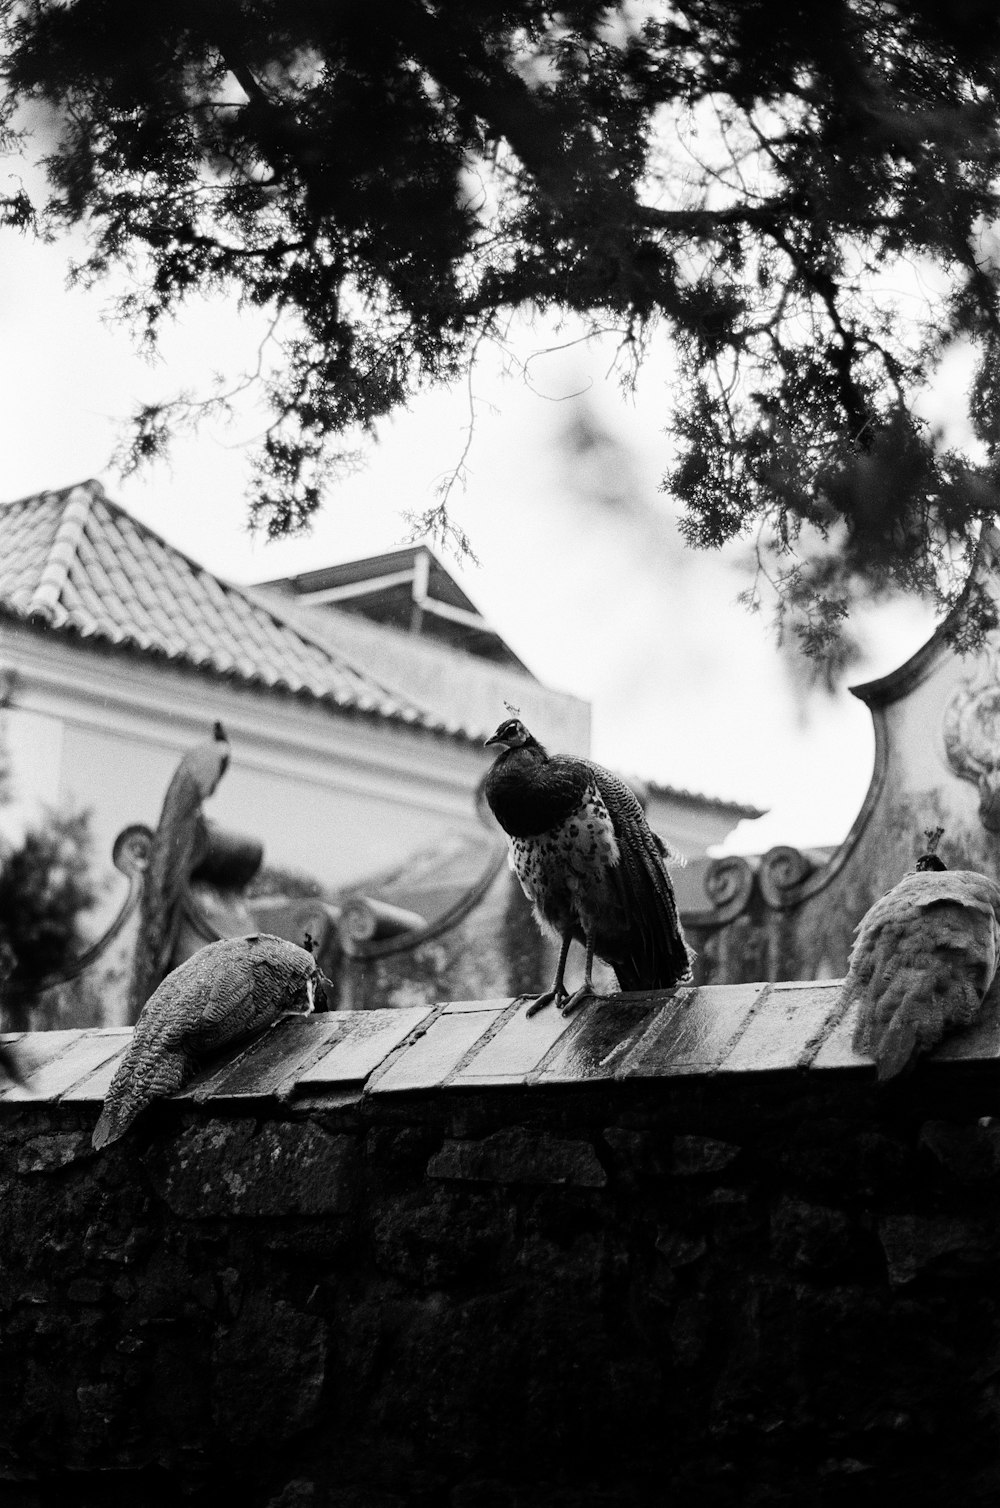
column 79, row 563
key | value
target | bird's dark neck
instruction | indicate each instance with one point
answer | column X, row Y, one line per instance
column 530, row 793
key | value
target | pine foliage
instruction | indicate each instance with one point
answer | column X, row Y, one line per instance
column 803, row 195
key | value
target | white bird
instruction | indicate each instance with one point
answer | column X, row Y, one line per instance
column 924, row 961
column 222, row 995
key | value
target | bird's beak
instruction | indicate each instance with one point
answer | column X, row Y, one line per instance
column 494, row 742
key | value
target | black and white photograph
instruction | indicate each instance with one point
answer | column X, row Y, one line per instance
column 499, row 754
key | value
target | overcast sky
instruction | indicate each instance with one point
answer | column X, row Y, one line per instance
column 582, row 569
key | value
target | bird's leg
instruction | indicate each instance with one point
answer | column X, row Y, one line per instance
column 587, row 987
column 558, row 990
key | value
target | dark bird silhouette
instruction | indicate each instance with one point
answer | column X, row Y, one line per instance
column 223, row 995
column 206, row 763
column 924, row 961
column 590, row 864
column 179, row 843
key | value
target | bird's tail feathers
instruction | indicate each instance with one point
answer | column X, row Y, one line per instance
column 658, row 969
column 670, row 956
column 113, row 1122
column 897, row 1050
column 668, row 852
column 137, row 1082
column 914, row 1015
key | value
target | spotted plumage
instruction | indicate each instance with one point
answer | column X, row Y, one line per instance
column 589, row 863
column 924, row 962
column 223, row 995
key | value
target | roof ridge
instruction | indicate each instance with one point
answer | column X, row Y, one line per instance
column 294, row 615
column 287, row 618
column 684, row 793
column 61, row 587
column 76, row 510
column 291, row 618
column 52, row 492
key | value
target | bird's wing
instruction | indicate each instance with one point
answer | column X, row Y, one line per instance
column 244, row 984
column 963, row 886
column 174, row 1017
column 656, row 956
column 924, row 957
column 229, row 1007
column 219, row 997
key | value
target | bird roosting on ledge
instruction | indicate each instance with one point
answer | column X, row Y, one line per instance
column 590, row 864
column 924, row 960
column 222, row 996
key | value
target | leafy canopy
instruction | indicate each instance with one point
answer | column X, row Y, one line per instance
column 802, row 194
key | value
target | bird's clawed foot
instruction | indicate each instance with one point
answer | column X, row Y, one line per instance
column 547, row 997
column 585, row 992
column 565, row 1003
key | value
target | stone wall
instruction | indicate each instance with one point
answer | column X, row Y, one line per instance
column 629, row 1277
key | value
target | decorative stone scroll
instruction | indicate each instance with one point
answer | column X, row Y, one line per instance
column 729, row 884
column 782, row 872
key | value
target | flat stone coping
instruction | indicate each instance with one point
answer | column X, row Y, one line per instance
column 485, row 1044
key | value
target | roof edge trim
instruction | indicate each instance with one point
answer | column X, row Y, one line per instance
column 76, row 510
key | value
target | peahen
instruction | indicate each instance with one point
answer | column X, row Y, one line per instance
column 220, row 997
column 590, row 864
column 924, row 960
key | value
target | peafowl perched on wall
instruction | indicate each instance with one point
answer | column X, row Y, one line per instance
column 221, row 996
column 589, row 863
column 924, row 961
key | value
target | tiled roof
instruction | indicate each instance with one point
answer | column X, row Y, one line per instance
column 696, row 798
column 78, row 562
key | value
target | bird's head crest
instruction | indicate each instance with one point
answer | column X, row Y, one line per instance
column 511, row 734
column 929, row 858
